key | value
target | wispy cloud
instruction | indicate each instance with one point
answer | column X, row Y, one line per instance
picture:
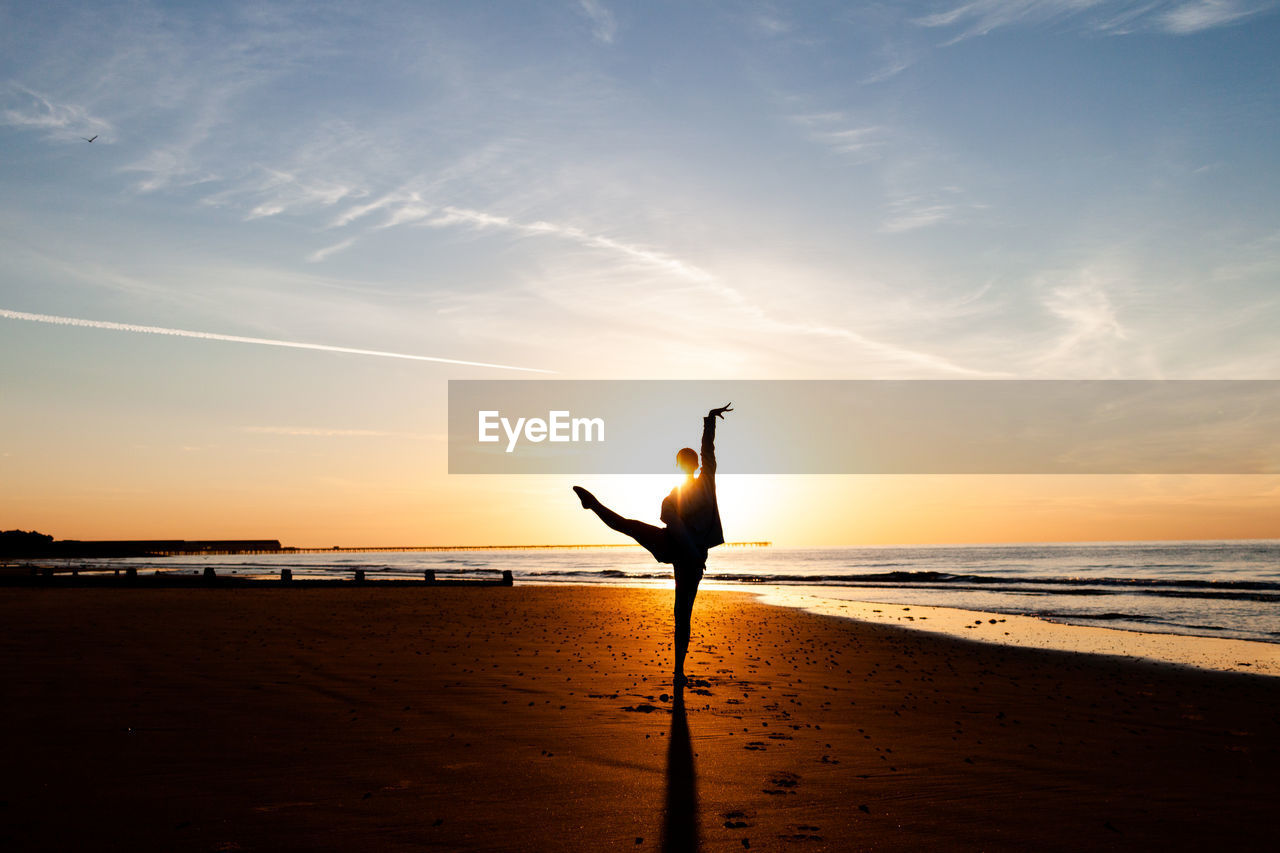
column 329, row 432
column 1118, row 17
column 910, row 214
column 1200, row 15
column 1089, row 324
column 388, row 200
column 980, row 17
column 837, row 132
column 930, row 363
column 408, row 208
column 603, row 24
column 240, row 339
column 920, row 210
column 169, row 167
column 32, row 110
column 769, row 22
column 480, row 219
column 320, row 254
column 175, row 162
column 279, row 192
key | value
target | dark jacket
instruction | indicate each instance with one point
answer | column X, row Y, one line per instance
column 696, row 499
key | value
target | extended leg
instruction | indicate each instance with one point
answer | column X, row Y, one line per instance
column 654, row 539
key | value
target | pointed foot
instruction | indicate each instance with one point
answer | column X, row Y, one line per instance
column 588, row 500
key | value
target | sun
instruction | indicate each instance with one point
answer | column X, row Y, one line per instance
column 635, row 495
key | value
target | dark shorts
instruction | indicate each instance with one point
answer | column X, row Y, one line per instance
column 667, row 548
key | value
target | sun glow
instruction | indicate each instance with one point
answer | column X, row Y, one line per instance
column 636, row 496
column 747, row 503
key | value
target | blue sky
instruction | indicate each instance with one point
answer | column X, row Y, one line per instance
column 999, row 188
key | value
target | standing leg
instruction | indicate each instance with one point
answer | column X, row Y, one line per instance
column 687, row 580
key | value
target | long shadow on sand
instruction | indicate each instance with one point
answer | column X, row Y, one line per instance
column 680, row 824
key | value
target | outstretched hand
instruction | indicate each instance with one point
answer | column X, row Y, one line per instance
column 719, row 413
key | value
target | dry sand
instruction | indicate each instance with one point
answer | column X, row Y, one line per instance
column 541, row 718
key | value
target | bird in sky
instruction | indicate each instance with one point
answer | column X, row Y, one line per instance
column 88, row 139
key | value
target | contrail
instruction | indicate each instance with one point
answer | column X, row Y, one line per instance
column 240, row 339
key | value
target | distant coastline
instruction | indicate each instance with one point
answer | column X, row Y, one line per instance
column 25, row 545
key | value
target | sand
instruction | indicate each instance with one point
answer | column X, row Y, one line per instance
column 543, row 718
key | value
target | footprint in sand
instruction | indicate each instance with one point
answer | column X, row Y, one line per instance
column 802, row 832
column 643, row 708
column 783, row 783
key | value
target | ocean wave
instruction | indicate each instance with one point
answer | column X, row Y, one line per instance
column 1242, row 590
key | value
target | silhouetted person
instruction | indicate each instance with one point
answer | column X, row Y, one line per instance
column 692, row 518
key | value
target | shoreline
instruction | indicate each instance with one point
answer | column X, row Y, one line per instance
column 1219, row 654
column 1246, row 656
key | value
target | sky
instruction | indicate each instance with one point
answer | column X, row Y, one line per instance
column 994, row 189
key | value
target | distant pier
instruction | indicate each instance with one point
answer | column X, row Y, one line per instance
column 119, row 548
column 342, row 549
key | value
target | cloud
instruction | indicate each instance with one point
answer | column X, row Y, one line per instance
column 175, row 163
column 838, row 133
column 930, row 362
column 169, row 167
column 603, row 25
column 327, row 432
column 240, row 339
column 630, row 251
column 1206, row 14
column 26, row 108
column 263, row 192
column 360, row 211
column 320, row 254
column 645, row 279
column 1090, row 325
column 1115, row 17
column 980, row 17
column 613, row 312
column 921, row 210
column 409, row 208
column 769, row 22
column 282, row 192
column 909, row 217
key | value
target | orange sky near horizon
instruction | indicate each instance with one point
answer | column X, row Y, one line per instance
column 539, row 510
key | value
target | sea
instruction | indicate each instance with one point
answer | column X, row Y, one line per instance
column 1225, row 589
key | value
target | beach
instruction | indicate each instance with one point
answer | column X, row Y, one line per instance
column 544, row 718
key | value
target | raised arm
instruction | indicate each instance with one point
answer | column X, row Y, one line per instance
column 709, row 439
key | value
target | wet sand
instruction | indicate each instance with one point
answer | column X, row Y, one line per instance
column 542, row 718
column 1218, row 653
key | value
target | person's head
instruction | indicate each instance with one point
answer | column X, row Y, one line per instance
column 687, row 460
